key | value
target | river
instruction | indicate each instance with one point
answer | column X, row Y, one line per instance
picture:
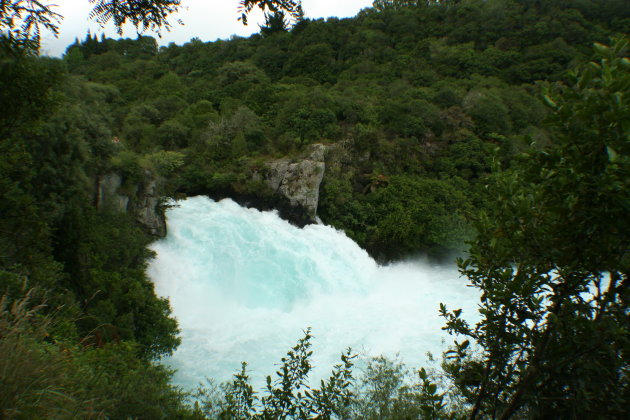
column 244, row 284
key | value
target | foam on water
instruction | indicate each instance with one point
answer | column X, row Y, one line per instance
column 243, row 285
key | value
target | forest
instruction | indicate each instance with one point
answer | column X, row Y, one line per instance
column 497, row 130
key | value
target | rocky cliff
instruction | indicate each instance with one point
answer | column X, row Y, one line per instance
column 295, row 184
column 288, row 185
column 140, row 199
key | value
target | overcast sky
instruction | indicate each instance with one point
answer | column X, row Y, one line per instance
column 205, row 19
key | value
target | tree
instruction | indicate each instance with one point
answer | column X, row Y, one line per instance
column 408, row 208
column 387, row 390
column 289, row 395
column 381, row 5
column 290, row 6
column 20, row 23
column 552, row 264
column 141, row 14
column 274, row 22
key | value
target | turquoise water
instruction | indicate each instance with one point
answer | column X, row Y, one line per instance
column 244, row 284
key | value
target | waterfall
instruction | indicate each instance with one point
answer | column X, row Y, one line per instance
column 243, row 285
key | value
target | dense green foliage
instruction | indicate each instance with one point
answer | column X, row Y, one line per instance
column 47, row 373
column 419, row 94
column 88, row 267
column 415, row 101
column 552, row 262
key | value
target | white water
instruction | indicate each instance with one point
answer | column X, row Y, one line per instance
column 244, row 284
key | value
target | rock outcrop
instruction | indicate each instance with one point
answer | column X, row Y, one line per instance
column 107, row 195
column 295, row 184
column 141, row 200
column 288, row 185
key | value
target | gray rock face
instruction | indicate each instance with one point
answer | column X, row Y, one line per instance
column 141, row 200
column 147, row 211
column 297, row 183
column 108, row 196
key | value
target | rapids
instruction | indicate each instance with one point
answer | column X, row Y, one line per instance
column 244, row 284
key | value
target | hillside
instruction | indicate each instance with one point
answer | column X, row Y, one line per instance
column 414, row 105
column 415, row 100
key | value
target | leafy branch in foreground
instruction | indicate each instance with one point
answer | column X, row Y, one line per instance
column 290, row 395
column 21, row 21
column 386, row 390
column 292, row 7
column 552, row 262
column 142, row 15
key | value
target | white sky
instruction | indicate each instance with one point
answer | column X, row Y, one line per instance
column 205, row 19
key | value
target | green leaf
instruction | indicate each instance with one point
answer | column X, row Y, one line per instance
column 612, row 154
column 601, row 48
column 585, row 79
column 549, row 101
